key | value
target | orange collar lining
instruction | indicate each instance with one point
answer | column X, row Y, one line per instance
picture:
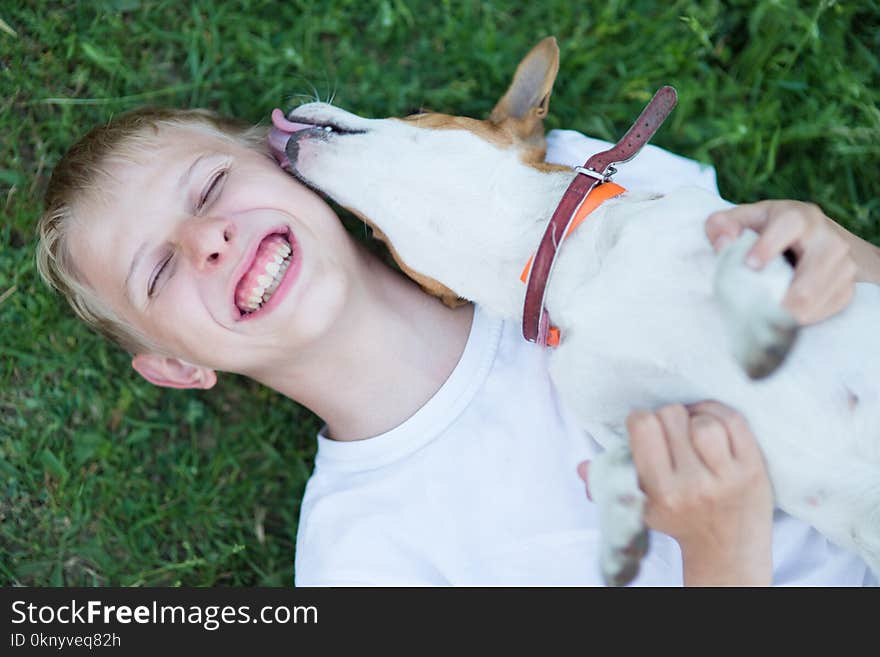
column 597, row 196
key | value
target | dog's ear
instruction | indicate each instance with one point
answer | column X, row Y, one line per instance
column 523, row 107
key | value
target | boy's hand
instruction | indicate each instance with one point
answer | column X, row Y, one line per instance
column 826, row 271
column 706, row 485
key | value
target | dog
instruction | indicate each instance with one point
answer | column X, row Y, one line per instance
column 640, row 298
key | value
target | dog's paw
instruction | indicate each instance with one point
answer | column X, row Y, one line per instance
column 615, row 489
column 762, row 331
column 620, row 565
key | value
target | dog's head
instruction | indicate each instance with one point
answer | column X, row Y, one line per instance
column 433, row 186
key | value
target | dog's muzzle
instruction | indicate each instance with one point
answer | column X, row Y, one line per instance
column 280, row 136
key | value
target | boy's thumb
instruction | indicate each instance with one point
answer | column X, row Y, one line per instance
column 583, row 471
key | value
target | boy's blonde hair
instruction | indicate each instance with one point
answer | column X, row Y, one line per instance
column 78, row 177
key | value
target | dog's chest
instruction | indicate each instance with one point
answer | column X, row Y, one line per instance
column 642, row 258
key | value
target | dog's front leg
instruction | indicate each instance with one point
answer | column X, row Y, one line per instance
column 762, row 331
column 614, row 488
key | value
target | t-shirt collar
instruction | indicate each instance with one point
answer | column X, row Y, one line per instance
column 431, row 419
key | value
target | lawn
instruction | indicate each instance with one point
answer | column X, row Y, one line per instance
column 107, row 480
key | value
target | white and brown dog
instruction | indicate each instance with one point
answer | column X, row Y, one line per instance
column 640, row 298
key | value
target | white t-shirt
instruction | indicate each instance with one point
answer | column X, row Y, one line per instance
column 479, row 486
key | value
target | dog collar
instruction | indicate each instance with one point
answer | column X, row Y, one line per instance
column 582, row 197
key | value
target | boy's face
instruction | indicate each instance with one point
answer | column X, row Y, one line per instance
column 184, row 237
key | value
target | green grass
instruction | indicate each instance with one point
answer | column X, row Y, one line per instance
column 107, row 480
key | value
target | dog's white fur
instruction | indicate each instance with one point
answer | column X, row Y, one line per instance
column 645, row 309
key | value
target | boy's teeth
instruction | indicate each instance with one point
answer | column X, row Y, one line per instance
column 258, row 285
column 274, row 284
column 266, row 283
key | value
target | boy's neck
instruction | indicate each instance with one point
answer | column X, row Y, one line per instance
column 396, row 347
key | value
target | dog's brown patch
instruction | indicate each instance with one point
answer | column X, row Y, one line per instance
column 429, row 285
column 531, row 152
column 482, row 129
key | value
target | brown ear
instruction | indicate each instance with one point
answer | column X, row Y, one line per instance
column 429, row 285
column 527, row 100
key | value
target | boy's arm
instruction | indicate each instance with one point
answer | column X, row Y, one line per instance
column 865, row 254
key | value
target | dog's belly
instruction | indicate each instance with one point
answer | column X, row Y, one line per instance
column 645, row 331
column 824, row 397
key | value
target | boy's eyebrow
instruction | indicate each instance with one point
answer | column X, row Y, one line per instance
column 184, row 179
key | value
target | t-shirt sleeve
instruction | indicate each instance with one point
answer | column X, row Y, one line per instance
column 653, row 169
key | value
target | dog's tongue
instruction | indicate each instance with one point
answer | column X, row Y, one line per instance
column 280, row 133
column 280, row 122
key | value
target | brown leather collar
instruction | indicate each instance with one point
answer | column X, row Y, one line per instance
column 597, row 170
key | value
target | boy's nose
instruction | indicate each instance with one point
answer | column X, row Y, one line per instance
column 206, row 240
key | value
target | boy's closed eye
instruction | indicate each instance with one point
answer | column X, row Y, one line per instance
column 214, row 185
column 212, row 190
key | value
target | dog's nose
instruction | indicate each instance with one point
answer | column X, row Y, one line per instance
column 279, row 136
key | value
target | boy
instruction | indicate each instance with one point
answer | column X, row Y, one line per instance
column 445, row 458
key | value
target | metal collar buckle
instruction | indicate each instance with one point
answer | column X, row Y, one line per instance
column 604, row 176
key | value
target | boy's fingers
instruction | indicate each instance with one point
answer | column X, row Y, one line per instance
column 649, row 449
column 834, row 296
column 726, row 225
column 721, row 229
column 742, row 442
column 820, row 279
column 711, row 442
column 676, row 425
column 779, row 235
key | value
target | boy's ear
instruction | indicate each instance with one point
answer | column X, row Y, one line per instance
column 527, row 100
column 172, row 372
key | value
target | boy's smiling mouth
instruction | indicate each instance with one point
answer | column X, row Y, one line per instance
column 268, row 270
